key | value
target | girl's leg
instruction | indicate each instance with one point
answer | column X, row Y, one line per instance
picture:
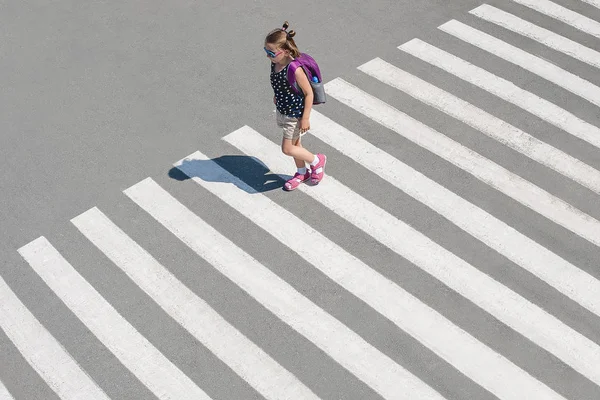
column 317, row 165
column 293, row 148
column 299, row 163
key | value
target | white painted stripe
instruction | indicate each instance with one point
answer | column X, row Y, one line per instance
column 43, row 352
column 371, row 366
column 4, row 394
column 244, row 357
column 487, row 171
column 507, row 306
column 478, row 362
column 153, row 369
column 527, row 61
column 542, row 35
column 505, row 90
column 563, row 14
column 484, row 122
column 557, row 272
column 595, row 3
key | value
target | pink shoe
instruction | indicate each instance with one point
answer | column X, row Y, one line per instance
column 296, row 180
column 318, row 171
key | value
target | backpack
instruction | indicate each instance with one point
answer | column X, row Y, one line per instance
column 311, row 68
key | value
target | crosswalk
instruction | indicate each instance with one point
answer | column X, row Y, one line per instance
column 4, row 394
column 484, row 364
column 565, row 15
column 43, row 351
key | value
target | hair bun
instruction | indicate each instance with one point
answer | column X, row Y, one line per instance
column 285, row 25
column 291, row 33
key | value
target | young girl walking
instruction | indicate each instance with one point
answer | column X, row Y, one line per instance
column 293, row 110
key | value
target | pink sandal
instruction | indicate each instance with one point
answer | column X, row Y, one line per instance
column 318, row 171
column 296, row 180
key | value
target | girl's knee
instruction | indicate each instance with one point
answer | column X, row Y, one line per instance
column 286, row 148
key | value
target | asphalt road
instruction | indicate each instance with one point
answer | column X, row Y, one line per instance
column 421, row 267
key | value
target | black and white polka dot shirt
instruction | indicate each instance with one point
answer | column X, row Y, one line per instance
column 287, row 101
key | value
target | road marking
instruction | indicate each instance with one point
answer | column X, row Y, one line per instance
column 163, row 378
column 527, row 61
column 595, row 3
column 43, row 352
column 523, row 251
column 565, row 15
column 353, row 353
column 504, row 89
column 475, row 360
column 482, row 168
column 245, row 358
column 5, row 395
column 515, row 311
column 485, row 123
column 542, row 35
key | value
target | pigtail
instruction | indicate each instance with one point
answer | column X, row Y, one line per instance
column 290, row 34
column 284, row 39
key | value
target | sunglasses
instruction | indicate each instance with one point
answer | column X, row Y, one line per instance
column 272, row 54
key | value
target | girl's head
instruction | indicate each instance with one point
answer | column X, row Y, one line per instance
column 280, row 44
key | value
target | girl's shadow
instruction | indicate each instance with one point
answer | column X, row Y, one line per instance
column 249, row 173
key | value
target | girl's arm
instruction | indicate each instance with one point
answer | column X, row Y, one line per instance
column 304, row 85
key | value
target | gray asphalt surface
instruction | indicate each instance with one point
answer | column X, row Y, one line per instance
column 97, row 96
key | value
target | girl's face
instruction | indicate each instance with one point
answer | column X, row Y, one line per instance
column 274, row 53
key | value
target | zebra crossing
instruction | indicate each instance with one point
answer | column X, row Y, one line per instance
column 565, row 15
column 4, row 394
column 482, row 363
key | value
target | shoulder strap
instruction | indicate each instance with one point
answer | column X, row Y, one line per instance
column 291, row 75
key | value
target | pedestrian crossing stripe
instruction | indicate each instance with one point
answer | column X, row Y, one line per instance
column 43, row 352
column 464, row 352
column 504, row 89
column 190, row 311
column 159, row 374
column 5, row 395
column 484, row 122
column 364, row 361
column 482, row 168
column 595, row 3
column 564, row 15
column 514, row 55
column 521, row 315
column 483, row 365
column 542, row 35
column 523, row 251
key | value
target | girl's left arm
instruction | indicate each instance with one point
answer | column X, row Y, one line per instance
column 304, row 85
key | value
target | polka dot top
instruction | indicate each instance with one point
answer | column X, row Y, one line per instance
column 287, row 101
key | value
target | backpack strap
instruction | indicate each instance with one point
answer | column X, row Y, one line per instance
column 291, row 75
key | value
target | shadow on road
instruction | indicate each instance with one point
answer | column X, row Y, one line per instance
column 249, row 173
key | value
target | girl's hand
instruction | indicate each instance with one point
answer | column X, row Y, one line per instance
column 304, row 124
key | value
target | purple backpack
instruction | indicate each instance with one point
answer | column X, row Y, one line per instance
column 310, row 67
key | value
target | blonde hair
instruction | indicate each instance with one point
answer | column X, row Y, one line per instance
column 283, row 39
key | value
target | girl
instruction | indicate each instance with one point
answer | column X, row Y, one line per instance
column 293, row 110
